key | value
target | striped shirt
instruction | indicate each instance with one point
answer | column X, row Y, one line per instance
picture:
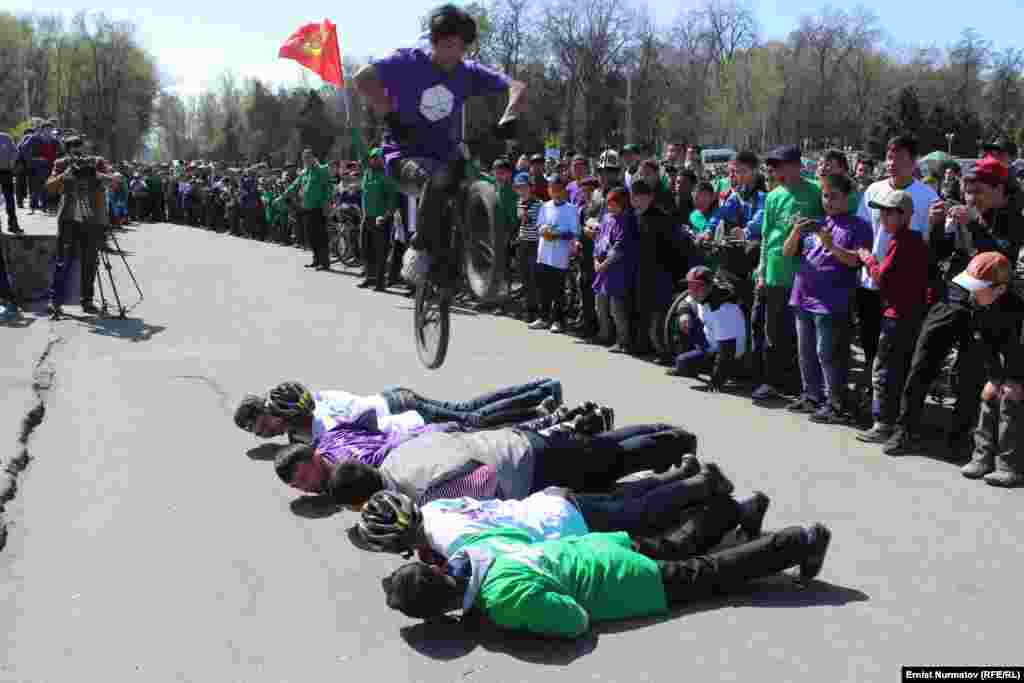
column 528, row 230
column 481, row 483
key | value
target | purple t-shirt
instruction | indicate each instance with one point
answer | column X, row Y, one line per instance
column 429, row 101
column 823, row 284
column 351, row 442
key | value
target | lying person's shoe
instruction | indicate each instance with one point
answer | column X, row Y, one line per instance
column 752, row 512
column 827, row 414
column 90, row 308
column 618, row 348
column 415, row 266
column 588, row 424
column 538, row 324
column 1005, row 479
column 817, row 537
column 879, row 433
column 765, row 392
column 978, row 468
column 556, row 328
column 720, row 484
column 607, row 418
column 365, row 284
column 689, row 466
column 901, row 442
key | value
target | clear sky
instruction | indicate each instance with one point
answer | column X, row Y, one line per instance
column 196, row 40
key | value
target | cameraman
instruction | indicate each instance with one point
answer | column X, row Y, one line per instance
column 81, row 220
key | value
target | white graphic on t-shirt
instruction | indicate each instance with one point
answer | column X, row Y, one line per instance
column 437, row 103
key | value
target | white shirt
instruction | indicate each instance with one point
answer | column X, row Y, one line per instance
column 331, row 406
column 722, row 325
column 448, row 522
column 923, row 198
column 566, row 223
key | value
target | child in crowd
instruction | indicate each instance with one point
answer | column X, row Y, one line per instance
column 527, row 210
column 822, row 290
column 997, row 325
column 902, row 280
column 705, row 203
column 715, row 328
column 558, row 226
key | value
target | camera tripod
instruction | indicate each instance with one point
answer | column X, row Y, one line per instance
column 104, row 252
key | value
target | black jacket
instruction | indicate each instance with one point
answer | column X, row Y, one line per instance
column 997, row 334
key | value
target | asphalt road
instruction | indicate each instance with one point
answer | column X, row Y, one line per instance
column 148, row 542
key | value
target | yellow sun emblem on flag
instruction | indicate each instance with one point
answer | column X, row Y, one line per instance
column 314, row 45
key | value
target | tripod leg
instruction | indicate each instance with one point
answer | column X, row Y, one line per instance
column 131, row 273
column 113, row 285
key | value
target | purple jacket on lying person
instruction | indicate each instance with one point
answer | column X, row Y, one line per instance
column 361, row 439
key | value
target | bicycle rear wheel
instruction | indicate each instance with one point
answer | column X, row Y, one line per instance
column 484, row 242
column 432, row 323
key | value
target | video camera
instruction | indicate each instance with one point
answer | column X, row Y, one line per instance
column 82, row 167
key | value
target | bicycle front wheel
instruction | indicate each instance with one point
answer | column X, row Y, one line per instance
column 484, row 242
column 432, row 323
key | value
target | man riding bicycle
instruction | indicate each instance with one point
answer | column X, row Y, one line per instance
column 420, row 94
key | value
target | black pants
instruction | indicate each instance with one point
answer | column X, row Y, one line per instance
column 869, row 313
column 596, row 463
column 946, row 325
column 255, row 223
column 395, row 269
column 721, row 572
column 780, row 333
column 6, row 293
column 376, row 241
column 551, row 286
column 588, row 319
column 22, row 189
column 698, row 528
column 316, row 229
column 528, row 271
column 7, row 187
column 81, row 241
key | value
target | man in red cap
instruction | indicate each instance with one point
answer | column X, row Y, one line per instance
column 991, row 220
column 996, row 325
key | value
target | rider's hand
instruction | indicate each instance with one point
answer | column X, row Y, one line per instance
column 990, row 392
column 937, row 212
column 1013, row 391
column 760, row 282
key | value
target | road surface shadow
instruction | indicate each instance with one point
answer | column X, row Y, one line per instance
column 19, row 320
column 130, row 329
column 264, row 452
column 315, row 507
column 448, row 639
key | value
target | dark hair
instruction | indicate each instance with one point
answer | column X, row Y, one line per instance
column 449, row 20
column 837, row 156
column 747, row 158
column 689, row 173
column 353, row 482
column 641, row 186
column 705, row 186
column 619, row 195
column 289, row 458
column 866, row 160
column 417, row 591
column 905, row 141
column 248, row 410
column 650, row 163
column 557, row 179
column 838, row 182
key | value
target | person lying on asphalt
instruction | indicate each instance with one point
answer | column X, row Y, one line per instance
column 561, row 587
column 290, row 408
column 309, row 467
column 662, row 519
column 511, row 463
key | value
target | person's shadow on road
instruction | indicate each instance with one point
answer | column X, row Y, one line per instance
column 264, row 452
column 315, row 507
column 448, row 638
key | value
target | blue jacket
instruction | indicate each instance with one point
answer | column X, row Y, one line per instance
column 742, row 209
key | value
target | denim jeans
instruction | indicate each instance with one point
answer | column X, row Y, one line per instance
column 818, row 340
column 647, row 512
column 506, row 405
column 892, row 360
column 594, row 464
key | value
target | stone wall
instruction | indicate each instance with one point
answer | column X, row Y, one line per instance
column 29, row 260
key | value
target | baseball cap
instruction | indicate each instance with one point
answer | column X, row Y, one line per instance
column 785, row 153
column 894, row 199
column 502, row 162
column 989, row 171
column 1001, row 145
column 522, row 179
column 987, row 269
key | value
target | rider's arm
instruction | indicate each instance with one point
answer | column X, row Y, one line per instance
column 369, row 85
column 516, row 101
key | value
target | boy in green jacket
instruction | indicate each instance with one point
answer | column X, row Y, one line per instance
column 314, row 183
column 558, row 588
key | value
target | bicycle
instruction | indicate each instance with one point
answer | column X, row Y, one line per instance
column 345, row 235
column 468, row 234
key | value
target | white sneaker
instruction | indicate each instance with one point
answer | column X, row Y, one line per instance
column 556, row 328
column 415, row 266
column 538, row 324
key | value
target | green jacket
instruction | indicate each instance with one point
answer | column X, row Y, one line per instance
column 781, row 204
column 315, row 182
column 380, row 193
column 153, row 184
column 508, row 204
column 558, row 587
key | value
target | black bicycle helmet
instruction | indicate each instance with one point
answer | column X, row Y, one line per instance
column 390, row 523
column 449, row 20
column 290, row 400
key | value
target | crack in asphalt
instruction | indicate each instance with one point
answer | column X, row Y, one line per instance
column 214, row 386
column 43, row 374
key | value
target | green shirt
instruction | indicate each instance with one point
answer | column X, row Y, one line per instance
column 698, row 222
column 722, row 184
column 153, row 184
column 558, row 587
column 315, row 182
column 380, row 193
column 777, row 269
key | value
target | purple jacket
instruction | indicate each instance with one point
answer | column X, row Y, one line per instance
column 354, row 442
column 616, row 242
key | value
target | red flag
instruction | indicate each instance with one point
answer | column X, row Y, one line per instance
column 315, row 46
